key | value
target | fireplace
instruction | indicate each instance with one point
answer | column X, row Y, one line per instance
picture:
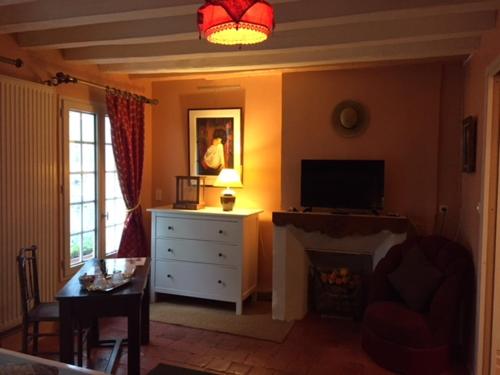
column 331, row 295
column 295, row 234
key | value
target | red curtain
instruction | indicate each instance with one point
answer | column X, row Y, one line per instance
column 126, row 114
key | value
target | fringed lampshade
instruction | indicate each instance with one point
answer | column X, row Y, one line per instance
column 235, row 22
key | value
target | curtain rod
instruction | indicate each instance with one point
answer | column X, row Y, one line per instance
column 61, row 78
column 16, row 62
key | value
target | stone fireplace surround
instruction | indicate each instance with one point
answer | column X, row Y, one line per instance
column 297, row 232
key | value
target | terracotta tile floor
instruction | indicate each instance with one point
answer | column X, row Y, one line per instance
column 314, row 346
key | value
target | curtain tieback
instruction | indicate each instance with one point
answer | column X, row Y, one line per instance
column 134, row 208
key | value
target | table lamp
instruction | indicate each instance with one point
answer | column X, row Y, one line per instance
column 228, row 178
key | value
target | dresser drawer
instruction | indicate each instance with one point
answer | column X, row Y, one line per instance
column 200, row 229
column 197, row 279
column 198, row 251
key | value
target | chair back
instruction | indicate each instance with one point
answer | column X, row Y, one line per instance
column 451, row 258
column 28, row 278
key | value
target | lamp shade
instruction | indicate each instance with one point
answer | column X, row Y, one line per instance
column 228, row 178
column 235, row 22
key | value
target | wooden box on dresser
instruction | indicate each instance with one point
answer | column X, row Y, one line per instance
column 207, row 253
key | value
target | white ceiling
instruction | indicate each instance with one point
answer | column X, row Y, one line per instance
column 160, row 36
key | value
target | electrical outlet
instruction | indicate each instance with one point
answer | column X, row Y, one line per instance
column 443, row 208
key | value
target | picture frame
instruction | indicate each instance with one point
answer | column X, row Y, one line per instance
column 469, row 135
column 215, row 142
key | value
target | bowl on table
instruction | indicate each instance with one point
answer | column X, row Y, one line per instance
column 129, row 271
column 86, row 280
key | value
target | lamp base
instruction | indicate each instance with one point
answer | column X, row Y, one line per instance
column 227, row 202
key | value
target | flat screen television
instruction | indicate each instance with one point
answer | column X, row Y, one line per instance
column 342, row 184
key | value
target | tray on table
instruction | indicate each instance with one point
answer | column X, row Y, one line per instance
column 109, row 287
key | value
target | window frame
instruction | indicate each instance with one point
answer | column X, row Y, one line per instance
column 100, row 111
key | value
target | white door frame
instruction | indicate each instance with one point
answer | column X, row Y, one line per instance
column 495, row 303
column 483, row 358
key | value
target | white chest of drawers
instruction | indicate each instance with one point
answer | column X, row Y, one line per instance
column 206, row 253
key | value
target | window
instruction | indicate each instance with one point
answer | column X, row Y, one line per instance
column 95, row 207
column 82, row 186
column 115, row 206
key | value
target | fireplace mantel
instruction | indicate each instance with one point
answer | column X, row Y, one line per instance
column 342, row 225
column 296, row 232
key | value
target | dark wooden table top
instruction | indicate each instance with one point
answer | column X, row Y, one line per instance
column 72, row 289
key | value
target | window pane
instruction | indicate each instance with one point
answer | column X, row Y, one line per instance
column 110, row 243
column 75, row 157
column 121, row 211
column 88, row 127
column 110, row 159
column 74, row 126
column 116, row 212
column 75, row 218
column 107, row 130
column 89, row 216
column 115, row 207
column 109, row 185
column 75, row 248
column 88, row 187
column 112, row 186
column 88, row 158
column 110, row 208
column 75, row 188
column 113, row 237
column 88, row 249
column 82, row 161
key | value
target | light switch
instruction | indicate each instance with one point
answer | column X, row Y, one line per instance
column 158, row 194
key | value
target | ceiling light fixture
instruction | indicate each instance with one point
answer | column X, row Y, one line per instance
column 235, row 22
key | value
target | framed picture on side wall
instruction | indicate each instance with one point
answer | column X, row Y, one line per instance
column 469, row 144
column 215, row 139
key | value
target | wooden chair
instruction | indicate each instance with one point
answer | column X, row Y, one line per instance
column 34, row 311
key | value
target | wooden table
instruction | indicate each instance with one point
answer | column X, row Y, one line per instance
column 130, row 300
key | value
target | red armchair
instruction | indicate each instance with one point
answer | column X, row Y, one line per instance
column 407, row 341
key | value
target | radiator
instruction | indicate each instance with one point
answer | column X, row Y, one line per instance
column 29, row 189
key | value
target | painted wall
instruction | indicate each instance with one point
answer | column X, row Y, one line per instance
column 260, row 98
column 474, row 104
column 41, row 65
column 450, row 150
column 415, row 115
column 404, row 105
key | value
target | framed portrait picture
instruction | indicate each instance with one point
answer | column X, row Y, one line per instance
column 214, row 142
column 469, row 144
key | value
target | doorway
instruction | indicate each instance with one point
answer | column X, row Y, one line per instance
column 494, row 359
column 488, row 340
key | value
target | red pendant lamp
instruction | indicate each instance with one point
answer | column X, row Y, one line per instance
column 235, row 22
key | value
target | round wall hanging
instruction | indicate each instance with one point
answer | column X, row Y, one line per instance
column 350, row 118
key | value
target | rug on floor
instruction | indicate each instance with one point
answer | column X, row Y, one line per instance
column 256, row 320
column 164, row 369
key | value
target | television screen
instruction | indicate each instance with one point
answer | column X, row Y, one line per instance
column 344, row 184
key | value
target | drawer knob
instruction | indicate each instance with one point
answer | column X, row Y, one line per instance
column 220, row 281
column 169, row 276
column 170, row 227
column 221, row 231
column 169, row 250
column 221, row 255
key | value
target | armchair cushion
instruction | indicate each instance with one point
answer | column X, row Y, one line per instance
column 416, row 279
column 393, row 322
